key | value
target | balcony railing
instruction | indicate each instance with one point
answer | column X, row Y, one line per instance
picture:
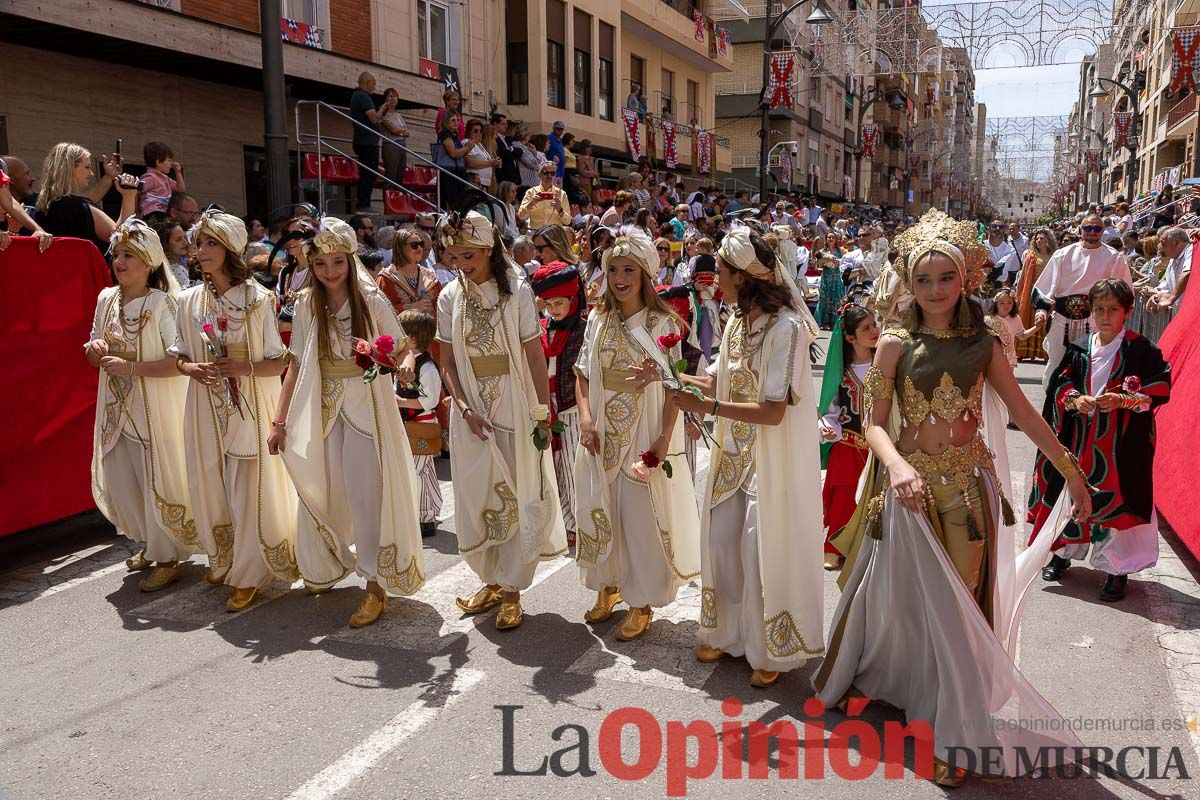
column 1181, row 111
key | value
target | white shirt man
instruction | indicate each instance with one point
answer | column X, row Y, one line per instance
column 1070, row 273
column 1019, row 241
column 1175, row 244
column 1002, row 254
column 814, row 213
column 852, row 260
column 819, row 222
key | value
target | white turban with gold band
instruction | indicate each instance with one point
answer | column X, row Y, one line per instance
column 145, row 244
column 472, row 230
column 784, row 232
column 334, row 236
column 737, row 251
column 227, row 229
column 633, row 243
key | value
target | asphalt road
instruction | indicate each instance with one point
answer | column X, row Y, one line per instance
column 112, row 693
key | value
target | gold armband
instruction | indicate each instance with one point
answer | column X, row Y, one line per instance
column 877, row 387
column 1068, row 466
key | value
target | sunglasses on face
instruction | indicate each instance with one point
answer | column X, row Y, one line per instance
column 663, row 249
column 1091, row 228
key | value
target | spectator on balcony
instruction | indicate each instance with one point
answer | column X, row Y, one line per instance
column 555, row 152
column 679, row 222
column 1124, row 218
column 452, row 102
column 614, row 216
column 508, row 149
column 481, row 162
column 62, row 208
column 12, row 200
column 636, row 100
column 1165, row 212
column 637, row 187
column 22, row 180
column 450, row 156
column 545, row 204
column 163, row 177
column 395, row 158
column 587, row 168
column 365, row 141
column 571, row 171
column 533, row 156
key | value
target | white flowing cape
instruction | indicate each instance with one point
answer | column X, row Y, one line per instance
column 672, row 498
column 790, row 531
column 492, row 505
column 204, row 431
column 161, row 424
column 321, row 560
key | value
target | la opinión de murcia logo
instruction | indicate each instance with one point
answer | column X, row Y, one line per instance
column 853, row 749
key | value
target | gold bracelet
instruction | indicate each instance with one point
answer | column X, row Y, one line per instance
column 1068, row 466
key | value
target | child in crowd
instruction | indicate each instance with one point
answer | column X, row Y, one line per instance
column 163, row 177
column 418, row 403
column 1100, row 402
column 843, row 449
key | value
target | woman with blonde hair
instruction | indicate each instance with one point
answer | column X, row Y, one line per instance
column 639, row 532
column 228, row 343
column 342, row 437
column 553, row 244
column 404, row 282
column 139, row 479
column 1041, row 247
column 62, row 208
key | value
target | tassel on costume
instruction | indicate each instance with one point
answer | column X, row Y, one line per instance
column 973, row 532
column 1006, row 511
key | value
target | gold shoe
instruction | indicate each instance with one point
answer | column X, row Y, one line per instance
column 762, row 678
column 833, row 561
column 709, row 655
column 509, row 616
column 943, row 775
column 369, row 609
column 213, row 579
column 485, row 599
column 160, row 577
column 239, row 598
column 635, row 624
column 606, row 599
column 138, row 561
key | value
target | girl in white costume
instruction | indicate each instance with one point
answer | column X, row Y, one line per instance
column 244, row 504
column 139, row 479
column 761, row 530
column 639, row 532
column 506, row 509
column 342, row 439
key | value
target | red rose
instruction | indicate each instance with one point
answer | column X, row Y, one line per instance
column 222, row 324
column 363, row 361
column 649, row 459
column 1133, row 384
column 669, row 340
column 385, row 344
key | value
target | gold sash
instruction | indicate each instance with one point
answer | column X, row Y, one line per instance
column 238, row 350
column 127, row 355
column 614, row 380
column 489, row 366
column 332, row 369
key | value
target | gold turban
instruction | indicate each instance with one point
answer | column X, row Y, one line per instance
column 141, row 239
column 737, row 251
column 472, row 230
column 227, row 229
column 634, row 244
column 334, row 236
column 937, row 232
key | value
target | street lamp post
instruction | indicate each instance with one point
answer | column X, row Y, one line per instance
column 279, row 190
column 1131, row 93
column 865, row 98
column 818, row 17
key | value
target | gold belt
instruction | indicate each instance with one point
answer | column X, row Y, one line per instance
column 334, row 368
column 614, row 380
column 959, row 464
column 238, row 351
column 854, row 439
column 489, row 366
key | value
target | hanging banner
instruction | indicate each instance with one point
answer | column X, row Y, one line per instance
column 722, row 42
column 633, row 132
column 303, row 33
column 698, row 18
column 650, row 150
column 914, row 160
column 870, row 135
column 779, row 86
column 1093, row 161
column 1122, row 126
column 669, row 152
column 785, row 170
column 704, row 150
column 1185, row 47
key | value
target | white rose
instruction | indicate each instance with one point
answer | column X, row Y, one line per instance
column 539, row 413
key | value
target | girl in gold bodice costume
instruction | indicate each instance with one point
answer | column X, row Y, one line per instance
column 930, row 540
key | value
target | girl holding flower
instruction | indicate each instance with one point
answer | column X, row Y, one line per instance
column 138, row 476
column 342, row 437
column 761, row 531
column 228, row 344
column 639, row 532
column 506, row 509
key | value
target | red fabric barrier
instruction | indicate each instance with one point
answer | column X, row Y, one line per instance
column 1178, row 421
column 47, row 301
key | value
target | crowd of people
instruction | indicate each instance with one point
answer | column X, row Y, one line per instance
column 276, row 398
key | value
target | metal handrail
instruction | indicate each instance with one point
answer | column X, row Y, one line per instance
column 320, row 141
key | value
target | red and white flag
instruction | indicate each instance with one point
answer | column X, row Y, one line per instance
column 704, row 148
column 870, row 135
column 669, row 152
column 1093, row 161
column 698, row 18
column 1122, row 126
column 633, row 132
column 1185, row 48
column 779, row 86
column 722, row 42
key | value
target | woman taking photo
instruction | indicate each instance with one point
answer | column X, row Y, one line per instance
column 1040, row 250
column 62, row 209
column 506, row 510
column 342, row 438
column 229, row 345
column 405, row 283
column 932, row 545
column 139, row 479
column 761, row 531
column 638, row 538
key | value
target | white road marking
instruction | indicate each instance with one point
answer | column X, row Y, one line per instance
column 341, row 773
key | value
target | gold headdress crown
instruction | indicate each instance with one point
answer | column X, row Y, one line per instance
column 937, row 232
column 467, row 230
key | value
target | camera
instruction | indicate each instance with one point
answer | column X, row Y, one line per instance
column 131, row 182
